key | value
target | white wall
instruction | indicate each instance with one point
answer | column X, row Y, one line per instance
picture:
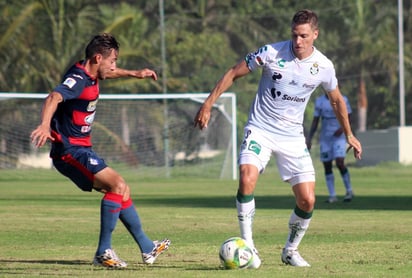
column 393, row 144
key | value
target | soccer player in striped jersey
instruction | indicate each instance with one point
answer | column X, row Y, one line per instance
column 290, row 72
column 66, row 120
column 332, row 143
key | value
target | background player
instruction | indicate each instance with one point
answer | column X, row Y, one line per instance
column 332, row 143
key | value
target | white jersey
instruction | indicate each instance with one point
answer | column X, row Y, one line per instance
column 286, row 86
column 324, row 110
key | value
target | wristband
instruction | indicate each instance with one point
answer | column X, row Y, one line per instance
column 349, row 136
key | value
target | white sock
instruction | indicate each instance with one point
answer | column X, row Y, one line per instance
column 330, row 183
column 346, row 181
column 297, row 229
column 246, row 213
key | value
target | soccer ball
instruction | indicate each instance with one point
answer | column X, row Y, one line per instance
column 235, row 253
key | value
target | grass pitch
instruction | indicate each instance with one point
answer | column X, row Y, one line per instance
column 50, row 228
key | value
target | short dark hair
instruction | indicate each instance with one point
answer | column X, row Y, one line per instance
column 101, row 44
column 306, row 16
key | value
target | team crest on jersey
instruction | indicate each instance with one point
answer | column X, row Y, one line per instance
column 314, row 69
column 69, row 82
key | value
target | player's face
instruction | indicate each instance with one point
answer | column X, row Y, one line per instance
column 107, row 64
column 303, row 37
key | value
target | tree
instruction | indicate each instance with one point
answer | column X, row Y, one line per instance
column 370, row 51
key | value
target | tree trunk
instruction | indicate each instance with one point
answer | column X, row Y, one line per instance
column 362, row 106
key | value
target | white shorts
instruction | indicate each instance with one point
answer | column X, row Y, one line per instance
column 332, row 148
column 292, row 156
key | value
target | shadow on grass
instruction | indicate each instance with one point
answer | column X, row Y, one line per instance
column 79, row 263
column 269, row 202
column 58, row 262
column 284, row 202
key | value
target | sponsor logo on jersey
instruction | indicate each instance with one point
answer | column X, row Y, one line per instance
column 314, row 69
column 293, row 83
column 276, row 76
column 69, row 82
column 293, row 98
column 89, row 119
column 281, row 63
column 78, row 76
column 261, row 50
column 249, row 58
column 85, row 129
column 254, row 147
column 275, row 93
column 311, row 86
column 255, row 56
column 259, row 60
column 92, row 106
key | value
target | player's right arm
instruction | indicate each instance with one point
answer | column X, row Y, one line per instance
column 41, row 134
column 203, row 115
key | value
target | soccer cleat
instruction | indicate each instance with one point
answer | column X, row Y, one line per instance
column 256, row 259
column 331, row 199
column 293, row 258
column 348, row 197
column 160, row 247
column 109, row 259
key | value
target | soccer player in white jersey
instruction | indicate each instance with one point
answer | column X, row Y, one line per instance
column 291, row 71
column 332, row 145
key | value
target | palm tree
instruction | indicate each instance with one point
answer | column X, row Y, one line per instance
column 13, row 47
column 370, row 50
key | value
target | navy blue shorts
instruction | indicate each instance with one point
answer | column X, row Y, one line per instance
column 80, row 165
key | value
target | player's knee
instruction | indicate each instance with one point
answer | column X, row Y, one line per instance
column 119, row 185
column 328, row 167
column 247, row 185
column 340, row 163
column 307, row 203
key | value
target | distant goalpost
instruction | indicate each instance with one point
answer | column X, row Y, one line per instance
column 151, row 134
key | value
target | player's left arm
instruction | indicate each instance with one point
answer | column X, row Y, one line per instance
column 339, row 106
column 140, row 74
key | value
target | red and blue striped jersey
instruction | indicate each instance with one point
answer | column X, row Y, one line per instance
column 71, row 123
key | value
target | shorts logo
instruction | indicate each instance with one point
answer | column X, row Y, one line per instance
column 93, row 161
column 254, row 147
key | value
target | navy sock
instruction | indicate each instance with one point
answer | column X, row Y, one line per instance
column 109, row 213
column 130, row 219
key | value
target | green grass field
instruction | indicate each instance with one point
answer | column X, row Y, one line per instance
column 50, row 228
